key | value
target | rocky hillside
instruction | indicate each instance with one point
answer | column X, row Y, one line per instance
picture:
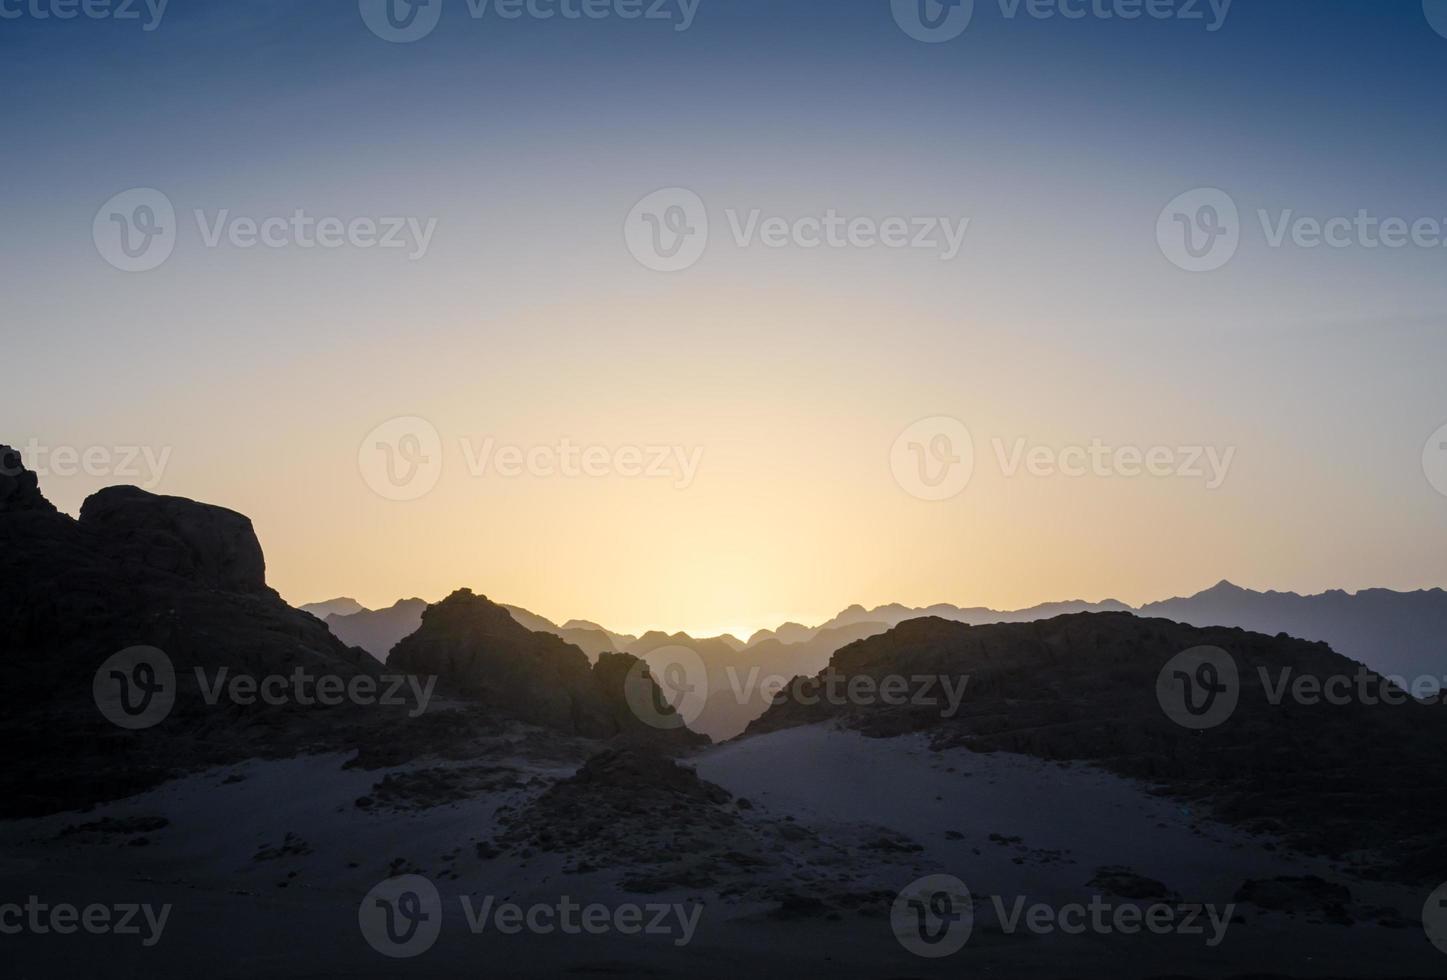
column 136, row 569
column 1332, row 778
column 478, row 650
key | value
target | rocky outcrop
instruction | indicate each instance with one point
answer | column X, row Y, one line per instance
column 478, row 650
column 208, row 546
column 378, row 630
column 136, row 570
column 1331, row 778
column 19, row 488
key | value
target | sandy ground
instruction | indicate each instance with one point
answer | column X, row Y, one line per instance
column 250, row 901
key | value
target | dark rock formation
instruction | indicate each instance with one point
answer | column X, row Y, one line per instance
column 19, row 488
column 378, row 630
column 136, row 570
column 1307, row 895
column 1330, row 778
column 210, row 546
column 478, row 650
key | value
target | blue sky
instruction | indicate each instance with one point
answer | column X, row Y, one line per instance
column 529, row 140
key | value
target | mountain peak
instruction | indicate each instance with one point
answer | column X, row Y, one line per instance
column 19, row 487
column 1224, row 587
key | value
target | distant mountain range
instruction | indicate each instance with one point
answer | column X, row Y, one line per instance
column 1401, row 633
column 1394, row 633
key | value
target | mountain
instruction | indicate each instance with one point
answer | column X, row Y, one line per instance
column 787, row 633
column 378, row 630
column 737, row 682
column 478, row 650
column 742, row 688
column 894, row 613
column 333, row 607
column 1329, row 778
column 1395, row 633
column 620, row 641
column 136, row 569
column 1399, row 633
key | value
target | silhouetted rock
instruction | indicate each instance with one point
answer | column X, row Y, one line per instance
column 478, row 650
column 1305, row 895
column 19, row 488
column 1330, row 778
column 378, row 630
column 343, row 606
column 209, row 546
column 136, row 570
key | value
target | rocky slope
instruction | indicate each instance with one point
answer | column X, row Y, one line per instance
column 1339, row 779
column 135, row 570
column 478, row 650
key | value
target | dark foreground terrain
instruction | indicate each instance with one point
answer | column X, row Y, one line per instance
column 294, row 839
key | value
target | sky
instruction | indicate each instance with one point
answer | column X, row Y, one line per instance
column 769, row 421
